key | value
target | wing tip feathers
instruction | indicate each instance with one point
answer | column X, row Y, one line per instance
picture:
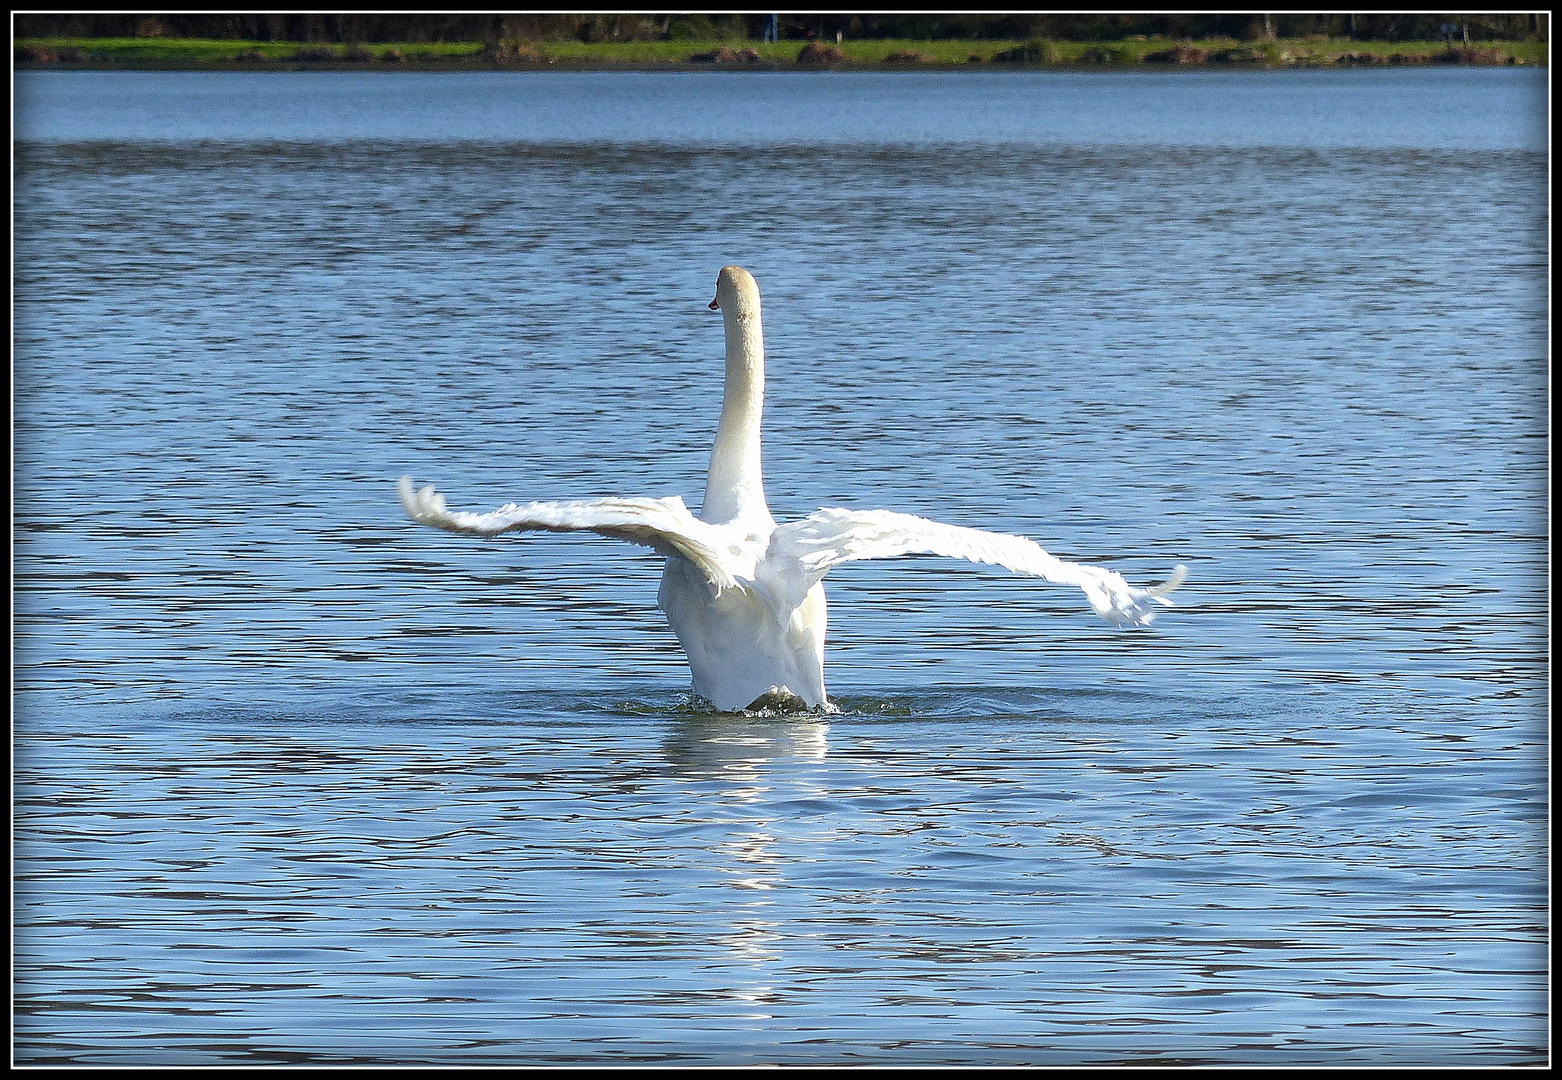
column 425, row 506
column 1160, row 592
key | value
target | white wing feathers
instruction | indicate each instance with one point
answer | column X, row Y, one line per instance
column 663, row 524
column 829, row 537
column 800, row 553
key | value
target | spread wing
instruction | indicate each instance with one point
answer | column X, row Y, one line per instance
column 663, row 524
column 829, row 537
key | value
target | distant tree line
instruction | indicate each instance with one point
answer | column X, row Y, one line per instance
column 350, row 28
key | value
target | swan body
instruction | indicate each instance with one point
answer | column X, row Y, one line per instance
column 744, row 595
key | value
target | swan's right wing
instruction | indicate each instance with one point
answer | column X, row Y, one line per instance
column 830, row 537
column 663, row 524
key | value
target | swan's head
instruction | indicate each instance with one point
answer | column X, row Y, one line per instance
column 737, row 293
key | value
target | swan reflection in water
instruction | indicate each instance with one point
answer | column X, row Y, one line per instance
column 744, row 595
column 714, row 744
column 743, row 847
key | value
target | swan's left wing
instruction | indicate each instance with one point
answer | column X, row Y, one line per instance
column 663, row 524
column 829, row 537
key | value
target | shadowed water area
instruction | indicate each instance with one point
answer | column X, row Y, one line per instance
column 297, row 780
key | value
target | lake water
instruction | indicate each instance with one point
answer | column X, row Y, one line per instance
column 297, row 780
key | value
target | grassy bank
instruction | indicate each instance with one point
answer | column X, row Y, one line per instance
column 198, row 53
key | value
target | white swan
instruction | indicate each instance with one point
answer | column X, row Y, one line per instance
column 744, row 595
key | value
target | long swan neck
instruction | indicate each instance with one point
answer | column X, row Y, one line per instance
column 735, row 486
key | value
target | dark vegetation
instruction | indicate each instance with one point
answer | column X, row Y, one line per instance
column 537, row 28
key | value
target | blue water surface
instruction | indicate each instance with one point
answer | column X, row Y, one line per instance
column 297, row 780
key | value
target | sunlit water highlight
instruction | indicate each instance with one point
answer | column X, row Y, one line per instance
column 299, row 781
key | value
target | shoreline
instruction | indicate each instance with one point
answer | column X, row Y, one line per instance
column 198, row 54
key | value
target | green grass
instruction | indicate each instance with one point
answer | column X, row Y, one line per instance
column 174, row 52
column 197, row 53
